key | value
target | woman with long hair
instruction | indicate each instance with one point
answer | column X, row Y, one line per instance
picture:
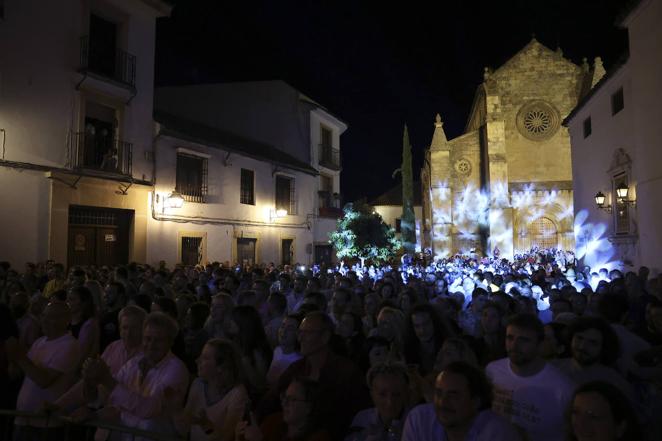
column 217, row 398
column 84, row 324
column 244, row 328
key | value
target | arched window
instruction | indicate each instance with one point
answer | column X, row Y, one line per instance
column 543, row 233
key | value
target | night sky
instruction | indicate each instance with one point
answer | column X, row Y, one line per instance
column 374, row 66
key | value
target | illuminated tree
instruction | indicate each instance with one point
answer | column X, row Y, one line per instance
column 362, row 234
column 408, row 222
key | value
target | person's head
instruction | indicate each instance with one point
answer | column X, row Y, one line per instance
column 524, row 333
column 490, row 318
column 159, row 332
column 560, row 306
column 300, row 403
column 276, row 304
column 221, row 305
column 55, row 319
column 349, row 325
column 166, row 305
column 461, row 392
column 386, row 291
column 197, row 315
column 454, row 349
column 314, row 333
column 613, row 307
column 220, row 363
column 245, row 328
column 131, row 319
column 654, row 316
column 391, row 323
column 81, row 303
column 389, row 386
column 341, row 300
column 378, row 349
column 19, row 304
column 592, row 341
column 299, row 284
column 287, row 332
column 371, row 304
column 600, row 411
column 555, row 343
column 114, row 295
column 578, row 301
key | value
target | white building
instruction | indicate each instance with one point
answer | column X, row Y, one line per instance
column 389, row 207
column 76, row 95
column 258, row 164
column 616, row 140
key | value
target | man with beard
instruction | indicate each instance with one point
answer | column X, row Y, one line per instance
column 595, row 348
column 460, row 410
column 528, row 391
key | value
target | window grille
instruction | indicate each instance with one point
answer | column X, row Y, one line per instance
column 247, row 191
column 191, row 177
column 285, row 194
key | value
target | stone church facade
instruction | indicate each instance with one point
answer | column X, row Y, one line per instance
column 506, row 183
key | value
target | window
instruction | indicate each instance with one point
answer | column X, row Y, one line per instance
column 326, row 137
column 191, row 177
column 285, row 194
column 587, row 127
column 617, row 102
column 246, row 251
column 247, row 191
column 398, row 225
column 191, row 250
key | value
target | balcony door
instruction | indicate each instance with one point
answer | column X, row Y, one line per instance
column 99, row 137
column 103, row 46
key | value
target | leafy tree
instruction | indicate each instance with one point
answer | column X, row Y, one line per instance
column 362, row 234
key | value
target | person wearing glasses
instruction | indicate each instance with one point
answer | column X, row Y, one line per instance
column 299, row 419
column 342, row 385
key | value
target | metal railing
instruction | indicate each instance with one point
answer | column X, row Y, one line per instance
column 119, row 66
column 329, row 157
column 329, row 204
column 75, row 431
column 101, row 153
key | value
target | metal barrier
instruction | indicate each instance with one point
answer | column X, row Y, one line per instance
column 83, row 431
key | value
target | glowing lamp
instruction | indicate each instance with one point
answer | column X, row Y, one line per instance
column 600, row 199
column 600, row 202
column 281, row 213
column 622, row 191
column 174, row 200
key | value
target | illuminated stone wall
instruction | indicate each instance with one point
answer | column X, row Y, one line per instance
column 506, row 183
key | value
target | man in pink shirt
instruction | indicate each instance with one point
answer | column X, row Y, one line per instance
column 145, row 388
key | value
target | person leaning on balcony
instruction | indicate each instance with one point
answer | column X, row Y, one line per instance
column 147, row 387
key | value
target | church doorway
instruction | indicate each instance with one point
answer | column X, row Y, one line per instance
column 543, row 233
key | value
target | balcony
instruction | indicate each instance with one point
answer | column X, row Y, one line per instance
column 329, row 205
column 329, row 157
column 101, row 153
column 110, row 63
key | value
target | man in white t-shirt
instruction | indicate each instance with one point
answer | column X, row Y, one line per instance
column 49, row 366
column 527, row 390
column 460, row 411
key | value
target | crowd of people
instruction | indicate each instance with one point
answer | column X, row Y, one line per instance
column 463, row 348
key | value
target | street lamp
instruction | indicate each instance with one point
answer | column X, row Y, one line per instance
column 600, row 202
column 174, row 200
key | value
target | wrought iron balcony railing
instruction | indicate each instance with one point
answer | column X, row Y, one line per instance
column 117, row 65
column 329, row 205
column 329, row 157
column 103, row 153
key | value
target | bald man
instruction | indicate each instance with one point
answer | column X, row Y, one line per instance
column 49, row 366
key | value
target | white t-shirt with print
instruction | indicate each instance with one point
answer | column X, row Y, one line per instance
column 536, row 403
